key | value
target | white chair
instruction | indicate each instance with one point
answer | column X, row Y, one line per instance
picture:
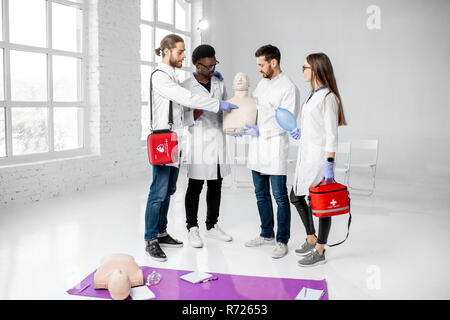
column 238, row 155
column 343, row 157
column 370, row 162
column 228, row 181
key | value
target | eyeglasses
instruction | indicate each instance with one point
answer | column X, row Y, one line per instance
column 211, row 67
column 304, row 68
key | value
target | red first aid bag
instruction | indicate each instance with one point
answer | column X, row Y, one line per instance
column 327, row 200
column 162, row 146
column 331, row 199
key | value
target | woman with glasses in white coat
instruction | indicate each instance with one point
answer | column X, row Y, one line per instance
column 322, row 114
column 206, row 145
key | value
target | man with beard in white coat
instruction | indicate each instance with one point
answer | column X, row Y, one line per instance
column 268, row 151
column 206, row 148
column 166, row 88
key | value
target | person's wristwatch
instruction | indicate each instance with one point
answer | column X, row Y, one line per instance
column 330, row 159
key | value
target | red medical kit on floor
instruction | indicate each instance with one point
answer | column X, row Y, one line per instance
column 162, row 146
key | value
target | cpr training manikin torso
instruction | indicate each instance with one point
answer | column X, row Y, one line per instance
column 235, row 120
column 118, row 273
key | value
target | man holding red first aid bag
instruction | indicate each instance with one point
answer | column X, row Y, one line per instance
column 167, row 98
column 321, row 115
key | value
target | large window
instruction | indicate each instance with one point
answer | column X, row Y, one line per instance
column 158, row 19
column 41, row 79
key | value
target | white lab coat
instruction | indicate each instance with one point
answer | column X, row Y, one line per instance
column 206, row 143
column 268, row 153
column 319, row 135
column 166, row 87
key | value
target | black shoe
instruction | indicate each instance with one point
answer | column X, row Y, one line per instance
column 168, row 241
column 155, row 252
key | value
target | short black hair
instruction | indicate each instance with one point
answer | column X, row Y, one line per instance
column 203, row 51
column 269, row 52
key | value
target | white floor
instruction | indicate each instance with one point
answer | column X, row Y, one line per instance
column 397, row 247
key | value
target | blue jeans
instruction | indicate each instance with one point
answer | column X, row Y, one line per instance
column 163, row 186
column 262, row 185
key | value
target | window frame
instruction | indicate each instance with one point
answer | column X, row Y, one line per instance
column 172, row 28
column 7, row 104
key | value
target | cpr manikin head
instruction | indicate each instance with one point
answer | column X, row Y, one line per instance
column 119, row 285
column 118, row 273
column 240, row 82
column 234, row 122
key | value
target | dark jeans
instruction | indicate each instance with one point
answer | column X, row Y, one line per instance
column 163, row 186
column 262, row 185
column 213, row 197
column 306, row 215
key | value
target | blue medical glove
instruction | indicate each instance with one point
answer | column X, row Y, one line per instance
column 295, row 134
column 217, row 74
column 226, row 106
column 252, row 131
column 328, row 172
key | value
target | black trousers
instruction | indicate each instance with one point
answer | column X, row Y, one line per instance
column 213, row 196
column 306, row 215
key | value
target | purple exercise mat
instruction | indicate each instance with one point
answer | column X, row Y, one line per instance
column 227, row 287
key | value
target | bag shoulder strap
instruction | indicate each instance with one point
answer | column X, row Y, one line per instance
column 151, row 103
column 348, row 226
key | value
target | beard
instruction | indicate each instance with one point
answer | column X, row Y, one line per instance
column 175, row 63
column 268, row 74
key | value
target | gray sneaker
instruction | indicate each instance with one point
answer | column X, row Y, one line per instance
column 305, row 249
column 281, row 249
column 313, row 258
column 260, row 241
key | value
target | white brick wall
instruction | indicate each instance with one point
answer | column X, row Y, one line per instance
column 114, row 94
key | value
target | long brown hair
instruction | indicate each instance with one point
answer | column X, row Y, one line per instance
column 168, row 42
column 322, row 71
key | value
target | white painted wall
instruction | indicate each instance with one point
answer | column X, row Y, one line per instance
column 114, row 94
column 393, row 81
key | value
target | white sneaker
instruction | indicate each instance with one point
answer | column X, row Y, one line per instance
column 217, row 233
column 281, row 249
column 260, row 241
column 194, row 238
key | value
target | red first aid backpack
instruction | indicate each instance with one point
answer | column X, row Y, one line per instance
column 162, row 145
column 331, row 199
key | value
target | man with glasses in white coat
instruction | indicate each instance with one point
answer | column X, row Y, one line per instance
column 206, row 146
